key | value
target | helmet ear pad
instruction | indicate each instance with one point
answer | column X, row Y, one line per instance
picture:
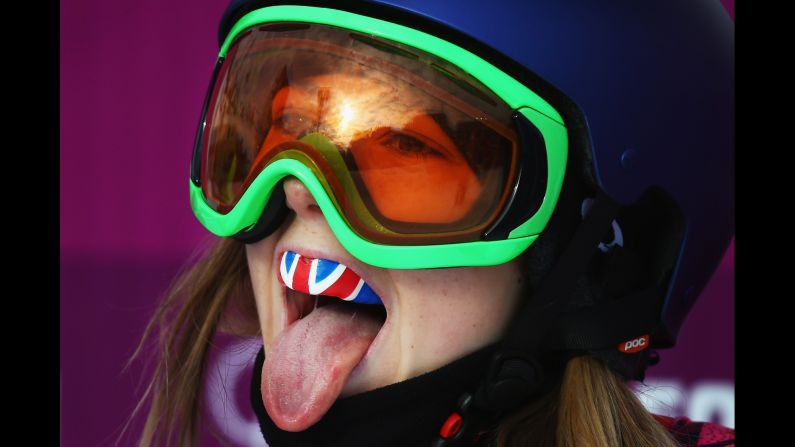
column 652, row 232
column 272, row 217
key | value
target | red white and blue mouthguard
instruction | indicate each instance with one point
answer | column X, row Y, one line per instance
column 324, row 277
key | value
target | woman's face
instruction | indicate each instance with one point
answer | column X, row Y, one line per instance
column 433, row 316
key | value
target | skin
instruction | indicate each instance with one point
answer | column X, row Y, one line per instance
column 434, row 316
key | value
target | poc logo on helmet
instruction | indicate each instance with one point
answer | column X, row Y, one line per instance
column 633, row 346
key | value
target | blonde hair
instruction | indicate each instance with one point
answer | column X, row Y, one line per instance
column 201, row 301
column 592, row 406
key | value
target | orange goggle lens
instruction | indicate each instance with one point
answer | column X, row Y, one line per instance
column 422, row 152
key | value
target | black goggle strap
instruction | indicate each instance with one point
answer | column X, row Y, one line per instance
column 273, row 215
column 543, row 332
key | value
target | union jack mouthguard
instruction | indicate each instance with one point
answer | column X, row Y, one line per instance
column 324, row 277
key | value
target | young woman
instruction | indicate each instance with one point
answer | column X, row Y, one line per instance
column 454, row 223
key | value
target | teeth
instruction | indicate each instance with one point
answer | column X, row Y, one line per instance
column 324, row 277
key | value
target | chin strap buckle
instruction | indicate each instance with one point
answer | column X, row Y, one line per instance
column 512, row 379
column 462, row 427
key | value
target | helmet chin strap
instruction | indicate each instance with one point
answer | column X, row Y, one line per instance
column 544, row 335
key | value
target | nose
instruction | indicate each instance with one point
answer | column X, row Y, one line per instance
column 300, row 200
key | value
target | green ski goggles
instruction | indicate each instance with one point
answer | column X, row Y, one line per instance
column 419, row 153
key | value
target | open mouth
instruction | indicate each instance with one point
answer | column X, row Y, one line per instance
column 333, row 318
column 313, row 282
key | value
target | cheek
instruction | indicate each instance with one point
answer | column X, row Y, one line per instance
column 472, row 307
column 453, row 312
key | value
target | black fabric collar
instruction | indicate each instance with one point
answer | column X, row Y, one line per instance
column 408, row 413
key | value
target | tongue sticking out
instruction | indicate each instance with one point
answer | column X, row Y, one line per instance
column 310, row 361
